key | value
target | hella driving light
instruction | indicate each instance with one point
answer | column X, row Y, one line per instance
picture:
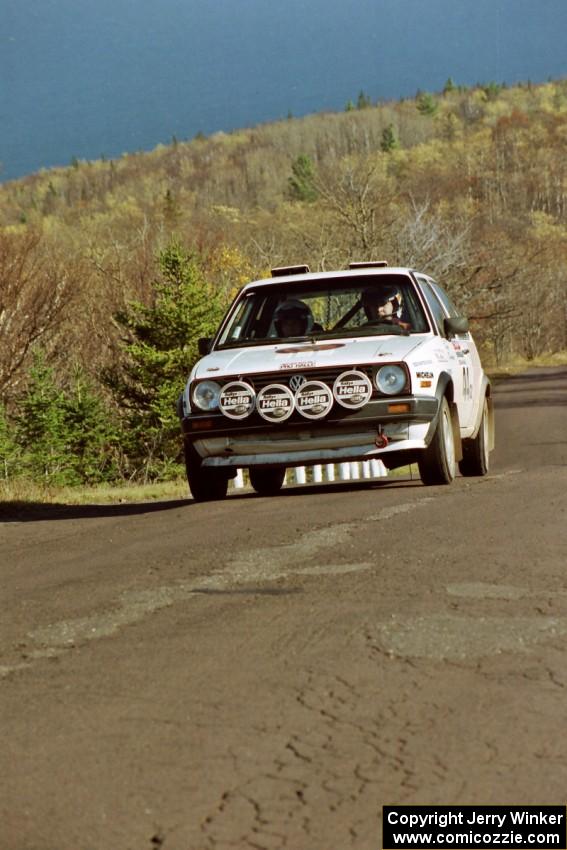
column 237, row 400
column 275, row 403
column 391, row 380
column 314, row 400
column 206, row 395
column 352, row 389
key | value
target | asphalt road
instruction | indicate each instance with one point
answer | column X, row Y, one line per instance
column 267, row 673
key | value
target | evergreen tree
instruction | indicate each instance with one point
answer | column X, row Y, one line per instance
column 389, row 139
column 363, row 101
column 449, row 86
column 426, row 104
column 171, row 210
column 301, row 184
column 159, row 352
column 492, row 90
column 41, row 432
column 91, row 438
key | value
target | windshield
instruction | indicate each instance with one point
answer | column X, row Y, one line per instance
column 326, row 308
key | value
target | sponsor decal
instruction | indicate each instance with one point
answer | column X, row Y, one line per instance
column 424, row 374
column 275, row 403
column 299, row 364
column 328, row 346
column 237, row 399
column 423, row 363
column 352, row 389
column 314, row 399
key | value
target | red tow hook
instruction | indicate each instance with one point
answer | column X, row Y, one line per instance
column 381, row 440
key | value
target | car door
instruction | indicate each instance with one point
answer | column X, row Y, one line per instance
column 457, row 349
column 467, row 355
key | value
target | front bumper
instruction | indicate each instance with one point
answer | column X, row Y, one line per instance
column 343, row 435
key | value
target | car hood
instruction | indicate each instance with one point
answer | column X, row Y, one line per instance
column 284, row 357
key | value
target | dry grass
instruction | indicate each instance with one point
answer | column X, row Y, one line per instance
column 516, row 365
column 20, row 491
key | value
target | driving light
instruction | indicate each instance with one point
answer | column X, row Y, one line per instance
column 237, row 400
column 352, row 389
column 275, row 403
column 206, row 395
column 391, row 380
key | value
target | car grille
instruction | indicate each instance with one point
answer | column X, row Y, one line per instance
column 326, row 375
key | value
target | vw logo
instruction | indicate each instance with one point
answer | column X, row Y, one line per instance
column 297, row 381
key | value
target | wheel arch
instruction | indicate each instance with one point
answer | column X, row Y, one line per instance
column 485, row 393
column 446, row 389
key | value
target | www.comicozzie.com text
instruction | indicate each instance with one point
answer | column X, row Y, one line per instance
column 444, row 819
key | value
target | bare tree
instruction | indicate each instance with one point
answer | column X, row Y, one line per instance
column 35, row 292
column 426, row 240
column 359, row 195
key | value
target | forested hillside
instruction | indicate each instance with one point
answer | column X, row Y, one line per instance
column 469, row 185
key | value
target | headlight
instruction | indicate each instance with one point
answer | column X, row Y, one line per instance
column 391, row 380
column 206, row 395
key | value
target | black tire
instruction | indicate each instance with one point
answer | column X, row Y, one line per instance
column 267, row 482
column 476, row 451
column 437, row 462
column 206, row 485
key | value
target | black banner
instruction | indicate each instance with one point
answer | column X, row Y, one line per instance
column 474, row 827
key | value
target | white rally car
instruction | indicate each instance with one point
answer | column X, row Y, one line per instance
column 372, row 362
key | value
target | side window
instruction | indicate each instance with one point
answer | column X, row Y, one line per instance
column 434, row 305
column 445, row 300
column 234, row 329
column 448, row 304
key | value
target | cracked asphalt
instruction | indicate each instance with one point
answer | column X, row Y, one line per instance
column 268, row 673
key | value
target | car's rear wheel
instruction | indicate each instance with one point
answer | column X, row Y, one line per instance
column 437, row 462
column 476, row 452
column 206, row 485
column 267, row 482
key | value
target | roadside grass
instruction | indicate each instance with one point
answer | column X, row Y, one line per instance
column 516, row 365
column 19, row 491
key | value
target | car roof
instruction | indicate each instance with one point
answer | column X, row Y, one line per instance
column 386, row 271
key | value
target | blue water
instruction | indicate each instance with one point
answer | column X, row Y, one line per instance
column 92, row 78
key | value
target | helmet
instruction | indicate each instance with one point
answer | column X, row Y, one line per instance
column 378, row 296
column 293, row 309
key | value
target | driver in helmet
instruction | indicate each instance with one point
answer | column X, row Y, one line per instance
column 293, row 318
column 383, row 305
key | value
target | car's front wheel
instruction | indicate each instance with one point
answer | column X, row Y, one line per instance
column 267, row 482
column 206, row 485
column 476, row 451
column 437, row 462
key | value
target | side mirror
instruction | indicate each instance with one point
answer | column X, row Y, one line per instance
column 455, row 325
column 204, row 345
